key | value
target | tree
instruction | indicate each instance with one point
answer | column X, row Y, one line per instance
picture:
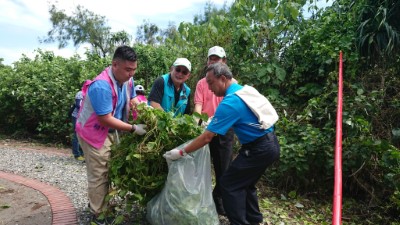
column 210, row 10
column 379, row 30
column 147, row 33
column 170, row 33
column 150, row 34
column 120, row 38
column 82, row 27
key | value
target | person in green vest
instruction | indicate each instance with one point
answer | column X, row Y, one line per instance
column 169, row 92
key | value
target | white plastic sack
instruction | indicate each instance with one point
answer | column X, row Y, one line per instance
column 187, row 195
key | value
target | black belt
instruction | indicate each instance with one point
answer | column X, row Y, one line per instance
column 110, row 130
column 267, row 136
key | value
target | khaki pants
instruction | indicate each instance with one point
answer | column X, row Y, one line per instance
column 97, row 172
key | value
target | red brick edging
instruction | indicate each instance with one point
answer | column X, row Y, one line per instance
column 63, row 211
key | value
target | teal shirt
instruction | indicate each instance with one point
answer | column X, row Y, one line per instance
column 168, row 99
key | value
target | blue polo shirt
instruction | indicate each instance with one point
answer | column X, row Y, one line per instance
column 100, row 95
column 233, row 112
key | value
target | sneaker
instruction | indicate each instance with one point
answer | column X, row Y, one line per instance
column 80, row 158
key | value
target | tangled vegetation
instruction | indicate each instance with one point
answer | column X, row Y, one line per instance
column 137, row 167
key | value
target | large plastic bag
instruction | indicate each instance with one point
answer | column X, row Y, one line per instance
column 187, row 195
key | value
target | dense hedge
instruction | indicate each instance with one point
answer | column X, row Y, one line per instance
column 37, row 93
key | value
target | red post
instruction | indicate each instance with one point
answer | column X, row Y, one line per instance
column 337, row 195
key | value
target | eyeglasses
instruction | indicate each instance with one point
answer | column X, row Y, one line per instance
column 184, row 72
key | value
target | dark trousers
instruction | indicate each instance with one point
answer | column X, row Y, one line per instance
column 221, row 155
column 239, row 193
column 76, row 148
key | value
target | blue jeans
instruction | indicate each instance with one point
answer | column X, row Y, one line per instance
column 76, row 149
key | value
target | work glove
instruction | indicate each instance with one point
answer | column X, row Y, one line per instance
column 205, row 124
column 174, row 154
column 139, row 129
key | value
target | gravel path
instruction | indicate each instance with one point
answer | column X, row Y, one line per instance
column 61, row 171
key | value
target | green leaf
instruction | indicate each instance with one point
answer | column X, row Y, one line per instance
column 299, row 205
column 5, row 206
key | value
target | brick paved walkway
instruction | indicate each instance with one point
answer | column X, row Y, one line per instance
column 63, row 211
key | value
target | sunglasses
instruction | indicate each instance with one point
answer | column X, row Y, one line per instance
column 184, row 72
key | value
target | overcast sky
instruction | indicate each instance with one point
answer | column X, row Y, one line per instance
column 23, row 22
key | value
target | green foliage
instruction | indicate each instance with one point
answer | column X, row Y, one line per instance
column 137, row 167
column 378, row 33
column 315, row 52
column 153, row 61
column 36, row 94
column 261, row 30
column 307, row 152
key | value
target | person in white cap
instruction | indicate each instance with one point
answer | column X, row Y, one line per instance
column 169, row 92
column 140, row 95
column 221, row 145
column 141, row 98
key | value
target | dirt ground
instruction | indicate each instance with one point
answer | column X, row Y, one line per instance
column 20, row 204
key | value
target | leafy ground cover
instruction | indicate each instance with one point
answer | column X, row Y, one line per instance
column 290, row 208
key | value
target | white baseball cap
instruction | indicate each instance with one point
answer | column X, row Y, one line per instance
column 183, row 62
column 216, row 50
column 139, row 88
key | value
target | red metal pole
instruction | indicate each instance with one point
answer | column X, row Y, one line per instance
column 337, row 196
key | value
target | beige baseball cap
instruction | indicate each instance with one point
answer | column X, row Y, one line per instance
column 216, row 50
column 183, row 62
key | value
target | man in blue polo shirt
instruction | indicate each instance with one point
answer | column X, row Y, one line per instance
column 252, row 117
column 104, row 113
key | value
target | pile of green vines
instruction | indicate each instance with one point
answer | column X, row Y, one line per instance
column 137, row 167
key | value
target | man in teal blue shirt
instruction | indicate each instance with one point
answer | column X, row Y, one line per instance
column 169, row 92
